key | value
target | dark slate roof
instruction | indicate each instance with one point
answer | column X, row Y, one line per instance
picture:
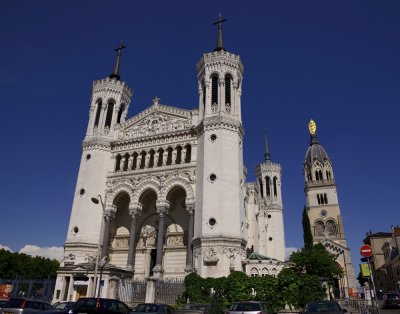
column 258, row 256
column 315, row 151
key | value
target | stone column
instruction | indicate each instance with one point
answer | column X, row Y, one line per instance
column 135, row 211
column 147, row 161
column 138, row 161
column 102, row 119
column 70, row 292
column 183, row 155
column 162, row 209
column 165, row 157
column 174, row 153
column 122, row 163
column 189, row 249
column 130, row 162
column 108, row 216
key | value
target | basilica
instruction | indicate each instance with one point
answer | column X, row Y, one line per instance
column 164, row 193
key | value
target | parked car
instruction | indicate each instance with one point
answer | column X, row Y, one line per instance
column 2, row 302
column 65, row 307
column 327, row 307
column 391, row 299
column 100, row 305
column 250, row 307
column 24, row 306
column 194, row 308
column 153, row 308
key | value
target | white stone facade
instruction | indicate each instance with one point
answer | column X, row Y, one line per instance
column 164, row 193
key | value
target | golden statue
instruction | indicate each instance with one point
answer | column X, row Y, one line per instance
column 312, row 127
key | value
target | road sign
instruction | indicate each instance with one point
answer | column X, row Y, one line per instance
column 366, row 250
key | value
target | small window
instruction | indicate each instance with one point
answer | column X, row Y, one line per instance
column 82, row 191
column 75, row 230
column 213, row 177
column 212, row 221
column 213, row 137
column 270, row 238
column 269, row 216
column 214, row 90
column 88, row 156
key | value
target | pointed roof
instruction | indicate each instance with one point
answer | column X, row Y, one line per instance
column 267, row 155
column 260, row 257
column 115, row 73
column 315, row 150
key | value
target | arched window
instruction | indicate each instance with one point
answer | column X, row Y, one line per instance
column 254, row 272
column 275, row 187
column 319, row 201
column 96, row 121
column 214, row 90
column 228, row 82
column 143, row 161
column 203, row 87
column 320, row 175
column 319, row 228
column 169, row 156
column 120, row 112
column 110, row 109
column 178, row 155
column 118, row 162
column 331, row 227
column 316, row 175
column 261, row 188
column 151, row 161
column 188, row 153
column 268, row 185
column 125, row 159
column 325, row 199
column 134, row 163
column 160, row 157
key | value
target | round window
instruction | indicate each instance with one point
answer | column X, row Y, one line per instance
column 88, row 156
column 213, row 137
column 82, row 191
column 212, row 221
column 324, row 213
column 75, row 229
column 270, row 238
column 269, row 216
column 213, row 177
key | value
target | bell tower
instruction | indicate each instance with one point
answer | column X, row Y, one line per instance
column 272, row 233
column 108, row 108
column 323, row 208
column 219, row 239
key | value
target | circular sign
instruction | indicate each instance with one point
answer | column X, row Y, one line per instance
column 366, row 250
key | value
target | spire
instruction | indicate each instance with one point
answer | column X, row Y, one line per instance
column 220, row 45
column 115, row 73
column 267, row 154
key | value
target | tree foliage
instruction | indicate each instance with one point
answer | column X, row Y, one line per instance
column 317, row 261
column 307, row 234
column 23, row 266
column 287, row 288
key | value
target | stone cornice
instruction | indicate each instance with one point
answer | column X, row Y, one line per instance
column 79, row 244
column 96, row 143
column 220, row 57
column 112, row 85
column 218, row 241
column 164, row 170
column 220, row 122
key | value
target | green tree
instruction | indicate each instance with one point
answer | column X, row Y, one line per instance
column 307, row 234
column 317, row 261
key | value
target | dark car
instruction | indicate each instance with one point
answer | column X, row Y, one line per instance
column 65, row 307
column 24, row 306
column 2, row 302
column 391, row 299
column 100, row 305
column 327, row 307
column 153, row 308
column 250, row 307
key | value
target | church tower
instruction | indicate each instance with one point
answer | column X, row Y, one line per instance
column 323, row 208
column 270, row 216
column 108, row 108
column 219, row 236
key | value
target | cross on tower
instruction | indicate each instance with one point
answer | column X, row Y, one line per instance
column 115, row 73
column 220, row 45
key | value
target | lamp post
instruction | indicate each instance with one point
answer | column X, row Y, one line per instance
column 103, row 262
column 97, row 200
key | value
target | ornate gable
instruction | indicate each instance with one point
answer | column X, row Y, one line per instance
column 156, row 120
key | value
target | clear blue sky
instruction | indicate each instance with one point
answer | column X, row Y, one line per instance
column 337, row 62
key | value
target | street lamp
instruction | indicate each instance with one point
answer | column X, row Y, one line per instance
column 103, row 262
column 97, row 200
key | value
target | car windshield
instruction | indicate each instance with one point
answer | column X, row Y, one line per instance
column 322, row 307
column 147, row 308
column 14, row 303
column 86, row 304
column 392, row 296
column 199, row 307
column 245, row 307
